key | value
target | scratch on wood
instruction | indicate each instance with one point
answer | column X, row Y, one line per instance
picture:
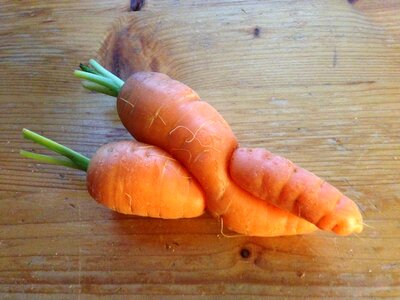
column 360, row 82
column 336, row 247
column 350, row 83
column 373, row 139
column 334, row 59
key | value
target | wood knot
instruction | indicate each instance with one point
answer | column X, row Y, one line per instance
column 245, row 253
column 256, row 32
column 301, row 274
column 136, row 5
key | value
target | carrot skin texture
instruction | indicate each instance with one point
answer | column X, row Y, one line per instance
column 252, row 216
column 290, row 187
column 134, row 178
column 158, row 110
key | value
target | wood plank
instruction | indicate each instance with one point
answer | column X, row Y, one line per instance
column 314, row 81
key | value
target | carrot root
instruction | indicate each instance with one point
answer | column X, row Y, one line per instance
column 286, row 185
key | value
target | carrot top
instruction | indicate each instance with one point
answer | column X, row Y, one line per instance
column 72, row 158
column 97, row 78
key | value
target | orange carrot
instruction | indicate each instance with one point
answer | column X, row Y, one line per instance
column 286, row 185
column 158, row 110
column 132, row 178
column 164, row 112
column 140, row 179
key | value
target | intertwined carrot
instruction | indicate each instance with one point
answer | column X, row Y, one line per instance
column 160, row 111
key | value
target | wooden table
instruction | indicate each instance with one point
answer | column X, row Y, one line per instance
column 315, row 81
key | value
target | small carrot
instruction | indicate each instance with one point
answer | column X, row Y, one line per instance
column 276, row 179
column 160, row 111
column 131, row 178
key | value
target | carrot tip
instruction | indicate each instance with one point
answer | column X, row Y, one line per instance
column 348, row 227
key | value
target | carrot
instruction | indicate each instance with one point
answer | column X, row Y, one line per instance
column 290, row 187
column 131, row 178
column 158, row 110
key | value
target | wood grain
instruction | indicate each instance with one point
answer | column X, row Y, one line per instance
column 314, row 81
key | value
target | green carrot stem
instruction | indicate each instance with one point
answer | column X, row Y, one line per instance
column 88, row 69
column 101, row 80
column 77, row 158
column 103, row 71
column 98, row 88
column 50, row 160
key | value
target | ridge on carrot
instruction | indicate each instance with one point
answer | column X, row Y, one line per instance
column 290, row 187
column 130, row 177
column 161, row 111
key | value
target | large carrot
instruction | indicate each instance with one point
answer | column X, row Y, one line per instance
column 278, row 180
column 131, row 178
column 158, row 110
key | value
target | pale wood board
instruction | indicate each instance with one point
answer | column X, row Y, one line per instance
column 317, row 82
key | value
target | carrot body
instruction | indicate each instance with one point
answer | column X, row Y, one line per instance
column 135, row 178
column 286, row 185
column 158, row 110
column 252, row 216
